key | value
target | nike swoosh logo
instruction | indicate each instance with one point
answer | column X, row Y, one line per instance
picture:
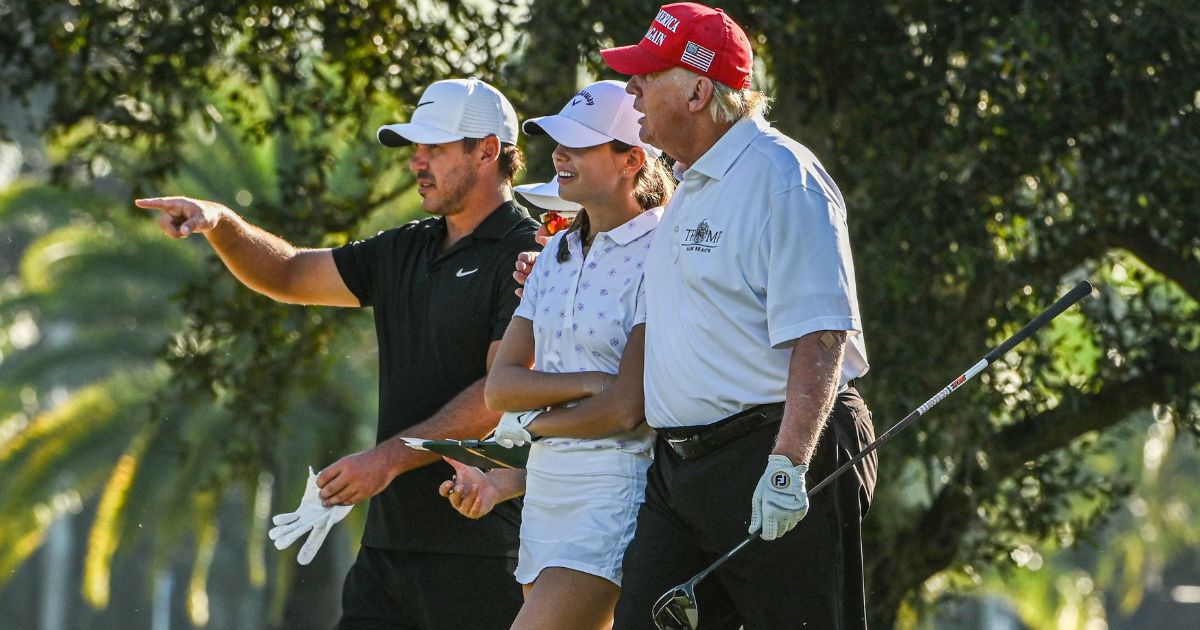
column 421, row 104
column 460, row 273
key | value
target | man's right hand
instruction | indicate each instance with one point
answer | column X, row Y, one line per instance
column 355, row 478
column 182, row 216
column 310, row 518
column 525, row 261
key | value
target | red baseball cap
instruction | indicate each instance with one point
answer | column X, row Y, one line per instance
column 691, row 36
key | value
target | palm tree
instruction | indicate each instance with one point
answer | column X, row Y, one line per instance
column 99, row 422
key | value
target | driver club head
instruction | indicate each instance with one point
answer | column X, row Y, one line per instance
column 677, row 609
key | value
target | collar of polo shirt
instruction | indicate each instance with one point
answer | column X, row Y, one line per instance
column 630, row 230
column 498, row 223
column 719, row 158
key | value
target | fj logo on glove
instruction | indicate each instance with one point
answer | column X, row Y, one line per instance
column 781, row 480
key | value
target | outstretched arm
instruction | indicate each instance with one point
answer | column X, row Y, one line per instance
column 260, row 260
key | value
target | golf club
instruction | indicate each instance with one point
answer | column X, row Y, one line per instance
column 677, row 609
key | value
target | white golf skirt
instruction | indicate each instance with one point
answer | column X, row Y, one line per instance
column 580, row 510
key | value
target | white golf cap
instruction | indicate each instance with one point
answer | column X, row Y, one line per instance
column 599, row 113
column 452, row 110
column 545, row 196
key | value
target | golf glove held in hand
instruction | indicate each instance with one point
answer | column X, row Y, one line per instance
column 511, row 430
column 780, row 500
column 312, row 517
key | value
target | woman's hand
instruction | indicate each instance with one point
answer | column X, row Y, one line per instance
column 470, row 491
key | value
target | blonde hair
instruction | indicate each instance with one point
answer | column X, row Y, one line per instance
column 727, row 105
column 730, row 105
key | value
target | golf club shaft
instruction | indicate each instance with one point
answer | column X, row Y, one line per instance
column 1080, row 291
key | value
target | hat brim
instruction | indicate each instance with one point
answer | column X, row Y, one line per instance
column 633, row 60
column 565, row 131
column 575, row 135
column 545, row 196
column 404, row 134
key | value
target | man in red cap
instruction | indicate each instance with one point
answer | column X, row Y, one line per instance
column 753, row 339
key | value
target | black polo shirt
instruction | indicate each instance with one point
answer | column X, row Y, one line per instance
column 436, row 313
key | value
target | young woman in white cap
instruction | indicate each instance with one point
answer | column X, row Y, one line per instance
column 568, row 373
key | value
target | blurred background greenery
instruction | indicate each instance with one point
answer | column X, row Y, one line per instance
column 154, row 414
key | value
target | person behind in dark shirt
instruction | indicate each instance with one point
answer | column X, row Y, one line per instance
column 442, row 295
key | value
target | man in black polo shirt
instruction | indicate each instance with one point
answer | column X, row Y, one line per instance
column 442, row 295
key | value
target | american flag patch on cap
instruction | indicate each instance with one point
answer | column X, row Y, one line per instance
column 697, row 56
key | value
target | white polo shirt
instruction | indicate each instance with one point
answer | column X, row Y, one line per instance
column 751, row 254
column 583, row 310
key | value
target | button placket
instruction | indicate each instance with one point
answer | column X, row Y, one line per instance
column 677, row 205
column 578, row 268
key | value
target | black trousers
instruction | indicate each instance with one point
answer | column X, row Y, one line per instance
column 697, row 510
column 404, row 590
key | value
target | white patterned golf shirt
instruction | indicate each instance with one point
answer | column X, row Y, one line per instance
column 752, row 253
column 584, row 309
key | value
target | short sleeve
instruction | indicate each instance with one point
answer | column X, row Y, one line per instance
column 639, row 309
column 358, row 264
column 810, row 271
column 528, row 306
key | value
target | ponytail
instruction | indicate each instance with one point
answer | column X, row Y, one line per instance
column 583, row 225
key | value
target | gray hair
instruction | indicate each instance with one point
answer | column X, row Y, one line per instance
column 729, row 105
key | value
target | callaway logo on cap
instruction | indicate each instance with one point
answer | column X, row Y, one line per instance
column 691, row 36
column 599, row 113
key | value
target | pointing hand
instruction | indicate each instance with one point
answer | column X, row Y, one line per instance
column 183, row 216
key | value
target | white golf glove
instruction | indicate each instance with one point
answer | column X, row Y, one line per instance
column 780, row 500
column 311, row 516
column 511, row 430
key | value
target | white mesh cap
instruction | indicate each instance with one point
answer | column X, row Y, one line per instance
column 452, row 110
column 599, row 113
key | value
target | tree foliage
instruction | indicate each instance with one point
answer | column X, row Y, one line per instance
column 991, row 153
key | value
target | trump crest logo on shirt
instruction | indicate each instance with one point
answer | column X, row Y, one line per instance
column 701, row 238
